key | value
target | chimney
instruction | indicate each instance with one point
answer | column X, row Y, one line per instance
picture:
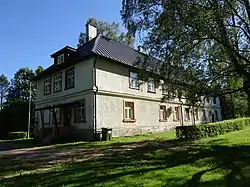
column 91, row 31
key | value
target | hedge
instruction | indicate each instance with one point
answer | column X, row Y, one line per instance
column 17, row 135
column 196, row 132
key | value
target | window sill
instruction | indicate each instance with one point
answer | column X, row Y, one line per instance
column 151, row 91
column 47, row 93
column 55, row 91
column 129, row 120
column 134, row 88
column 177, row 120
column 69, row 88
column 163, row 120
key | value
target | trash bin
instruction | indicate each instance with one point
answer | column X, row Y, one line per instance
column 106, row 134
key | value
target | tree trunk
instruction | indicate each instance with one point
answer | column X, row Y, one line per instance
column 1, row 101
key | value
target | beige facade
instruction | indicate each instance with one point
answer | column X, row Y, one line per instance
column 113, row 95
column 113, row 82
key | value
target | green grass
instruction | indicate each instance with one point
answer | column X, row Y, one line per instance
column 150, row 160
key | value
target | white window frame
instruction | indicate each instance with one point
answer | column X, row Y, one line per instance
column 81, row 108
column 47, row 85
column 58, row 82
column 129, row 110
column 196, row 114
column 133, row 80
column 60, row 59
column 70, row 77
column 151, row 85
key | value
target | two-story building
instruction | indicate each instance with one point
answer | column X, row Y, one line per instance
column 97, row 86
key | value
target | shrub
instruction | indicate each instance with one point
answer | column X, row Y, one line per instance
column 17, row 135
column 195, row 132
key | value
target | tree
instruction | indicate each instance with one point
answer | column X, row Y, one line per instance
column 201, row 43
column 110, row 30
column 38, row 70
column 4, row 83
column 20, row 85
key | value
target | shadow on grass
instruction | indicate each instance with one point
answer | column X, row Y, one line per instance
column 17, row 144
column 125, row 164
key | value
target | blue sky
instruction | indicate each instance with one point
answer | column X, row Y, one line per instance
column 31, row 30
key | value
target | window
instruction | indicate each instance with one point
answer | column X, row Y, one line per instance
column 133, row 82
column 204, row 117
column 196, row 114
column 163, row 113
column 58, row 115
column 216, row 115
column 129, row 111
column 187, row 114
column 79, row 112
column 164, row 90
column 47, row 86
column 215, row 100
column 58, row 82
column 208, row 99
column 151, row 85
column 60, row 59
column 70, row 79
column 176, row 113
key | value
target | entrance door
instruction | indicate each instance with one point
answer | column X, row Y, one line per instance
column 67, row 113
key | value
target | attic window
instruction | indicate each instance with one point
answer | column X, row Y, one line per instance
column 60, row 59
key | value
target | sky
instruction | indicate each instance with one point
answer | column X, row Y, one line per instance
column 31, row 30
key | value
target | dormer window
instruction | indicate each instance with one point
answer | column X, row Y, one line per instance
column 60, row 59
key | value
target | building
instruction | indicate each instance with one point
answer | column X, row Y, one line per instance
column 96, row 86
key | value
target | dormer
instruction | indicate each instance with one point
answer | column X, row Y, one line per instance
column 63, row 55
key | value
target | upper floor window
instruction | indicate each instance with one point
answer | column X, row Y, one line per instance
column 79, row 112
column 133, row 82
column 208, row 99
column 164, row 90
column 151, row 85
column 70, row 78
column 47, row 85
column 58, row 82
column 214, row 100
column 60, row 59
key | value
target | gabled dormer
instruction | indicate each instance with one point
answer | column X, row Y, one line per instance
column 63, row 55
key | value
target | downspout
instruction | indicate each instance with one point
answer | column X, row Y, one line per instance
column 182, row 122
column 95, row 90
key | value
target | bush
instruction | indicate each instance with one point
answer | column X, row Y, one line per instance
column 195, row 132
column 17, row 135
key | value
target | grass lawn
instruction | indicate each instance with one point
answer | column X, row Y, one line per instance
column 151, row 160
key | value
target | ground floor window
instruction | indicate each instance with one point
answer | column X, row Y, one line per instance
column 176, row 113
column 80, row 112
column 129, row 110
column 163, row 113
column 187, row 114
column 196, row 114
column 58, row 115
column 204, row 117
column 216, row 115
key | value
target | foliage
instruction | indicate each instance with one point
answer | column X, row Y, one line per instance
column 110, row 30
column 195, row 132
column 4, row 84
column 201, row 43
column 17, row 135
column 152, row 160
column 20, row 85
